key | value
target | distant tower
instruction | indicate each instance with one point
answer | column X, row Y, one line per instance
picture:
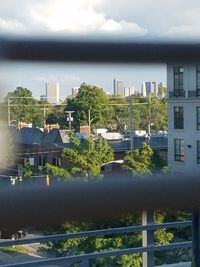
column 149, row 88
column 118, row 87
column 75, row 90
column 143, row 89
column 52, row 93
column 128, row 91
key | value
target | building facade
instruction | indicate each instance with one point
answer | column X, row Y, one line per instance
column 52, row 93
column 148, row 88
column 118, row 87
column 183, row 82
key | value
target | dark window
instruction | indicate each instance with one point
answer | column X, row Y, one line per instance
column 198, row 77
column 178, row 149
column 42, row 161
column 198, row 117
column 178, row 78
column 57, row 162
column 198, row 152
column 178, row 118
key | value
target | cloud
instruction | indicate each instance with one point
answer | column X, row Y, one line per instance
column 80, row 17
column 12, row 26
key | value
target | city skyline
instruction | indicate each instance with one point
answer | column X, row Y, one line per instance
column 35, row 76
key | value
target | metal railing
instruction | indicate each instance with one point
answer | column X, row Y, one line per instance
column 194, row 93
column 77, row 51
column 95, row 233
column 177, row 93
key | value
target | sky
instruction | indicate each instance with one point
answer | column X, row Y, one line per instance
column 116, row 20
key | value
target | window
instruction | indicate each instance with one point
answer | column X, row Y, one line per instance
column 56, row 162
column 178, row 78
column 198, row 152
column 178, row 118
column 198, row 77
column 198, row 117
column 178, row 149
column 42, row 161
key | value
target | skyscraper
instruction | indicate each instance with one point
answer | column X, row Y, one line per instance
column 52, row 93
column 148, row 88
column 118, row 87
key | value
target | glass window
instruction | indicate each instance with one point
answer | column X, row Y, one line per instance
column 198, row 77
column 198, row 117
column 178, row 118
column 198, row 152
column 178, row 149
column 178, row 78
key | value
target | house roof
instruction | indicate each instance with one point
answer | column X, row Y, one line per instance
column 29, row 136
column 57, row 136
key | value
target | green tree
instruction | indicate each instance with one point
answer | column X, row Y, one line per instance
column 84, row 158
column 141, row 162
column 24, row 108
column 88, row 98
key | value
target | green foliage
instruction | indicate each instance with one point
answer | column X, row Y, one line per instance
column 141, row 163
column 85, row 158
column 109, row 242
column 27, row 170
column 25, row 108
column 88, row 98
column 56, row 171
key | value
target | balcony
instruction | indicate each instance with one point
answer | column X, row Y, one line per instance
column 194, row 93
column 177, row 93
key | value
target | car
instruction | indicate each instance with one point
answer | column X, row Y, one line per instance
column 5, row 233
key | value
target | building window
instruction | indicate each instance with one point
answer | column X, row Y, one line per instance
column 198, row 117
column 198, row 77
column 178, row 78
column 178, row 149
column 56, row 162
column 178, row 118
column 42, row 161
column 198, row 152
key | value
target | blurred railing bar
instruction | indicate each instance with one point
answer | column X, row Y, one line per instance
column 63, row 50
column 102, row 254
column 103, row 232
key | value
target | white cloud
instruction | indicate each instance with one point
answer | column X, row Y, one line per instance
column 79, row 17
column 12, row 26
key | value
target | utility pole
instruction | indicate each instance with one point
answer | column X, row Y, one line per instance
column 70, row 118
column 131, row 124
column 44, row 117
column 8, row 111
column 149, row 124
column 89, row 120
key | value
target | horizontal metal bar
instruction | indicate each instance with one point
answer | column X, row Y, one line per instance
column 104, row 232
column 103, row 254
column 35, row 205
column 97, row 51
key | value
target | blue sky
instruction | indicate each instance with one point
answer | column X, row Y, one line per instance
column 34, row 76
column 117, row 20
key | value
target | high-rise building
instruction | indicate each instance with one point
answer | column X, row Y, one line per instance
column 148, row 88
column 128, row 91
column 183, row 83
column 118, row 87
column 75, row 90
column 52, row 93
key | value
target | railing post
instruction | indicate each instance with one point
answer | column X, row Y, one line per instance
column 147, row 239
column 196, row 237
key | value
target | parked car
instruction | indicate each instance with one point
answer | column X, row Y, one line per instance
column 7, row 234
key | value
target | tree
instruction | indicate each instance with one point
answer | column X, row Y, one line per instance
column 141, row 162
column 24, row 108
column 88, row 98
column 84, row 158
